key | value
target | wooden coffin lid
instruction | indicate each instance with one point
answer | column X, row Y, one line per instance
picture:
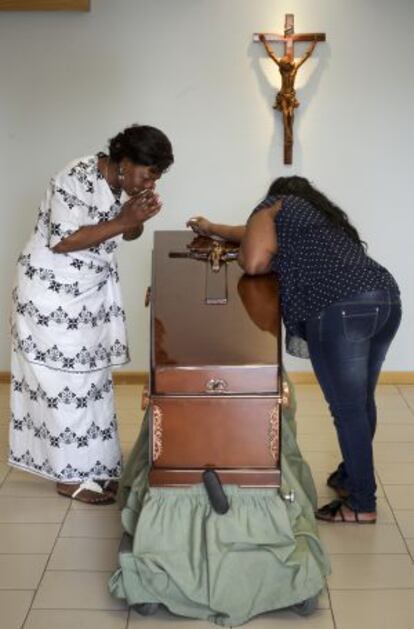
column 199, row 348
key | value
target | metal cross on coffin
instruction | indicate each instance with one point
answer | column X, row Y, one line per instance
column 215, row 255
column 286, row 101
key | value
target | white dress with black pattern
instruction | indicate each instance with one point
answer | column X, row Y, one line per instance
column 68, row 330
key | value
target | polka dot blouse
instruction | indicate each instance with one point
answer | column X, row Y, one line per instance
column 317, row 264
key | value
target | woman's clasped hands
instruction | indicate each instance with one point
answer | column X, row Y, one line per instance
column 139, row 209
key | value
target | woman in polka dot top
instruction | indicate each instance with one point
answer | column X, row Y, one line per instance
column 340, row 308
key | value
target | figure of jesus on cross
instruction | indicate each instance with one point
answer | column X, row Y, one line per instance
column 286, row 101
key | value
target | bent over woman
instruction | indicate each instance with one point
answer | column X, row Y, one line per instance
column 68, row 322
column 340, row 308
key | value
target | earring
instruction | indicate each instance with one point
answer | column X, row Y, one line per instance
column 121, row 174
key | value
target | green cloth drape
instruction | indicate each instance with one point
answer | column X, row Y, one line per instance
column 264, row 554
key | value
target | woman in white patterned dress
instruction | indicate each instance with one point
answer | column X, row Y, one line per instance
column 68, row 323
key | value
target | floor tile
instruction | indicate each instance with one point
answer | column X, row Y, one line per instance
column 71, row 618
column 126, row 448
column 392, row 403
column 308, row 443
column 4, row 470
column 396, row 473
column 129, row 399
column 308, row 389
column 75, row 590
column 365, row 572
column 21, row 572
column 25, row 485
column 405, row 520
column 393, row 452
column 27, row 538
column 32, row 509
column 375, row 609
column 130, row 408
column 93, row 523
column 410, row 544
column 407, row 392
column 4, row 452
column 312, row 407
column 323, row 600
column 126, row 391
column 14, row 606
column 80, row 553
column 128, row 418
column 400, row 496
column 384, row 513
column 356, row 539
column 325, row 493
column 128, row 432
column 399, row 433
column 322, row 461
column 312, row 394
column 315, row 425
column 391, row 415
column 386, row 389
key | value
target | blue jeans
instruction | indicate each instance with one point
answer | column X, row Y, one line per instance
column 348, row 343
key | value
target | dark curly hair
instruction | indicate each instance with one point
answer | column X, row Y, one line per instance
column 301, row 187
column 143, row 145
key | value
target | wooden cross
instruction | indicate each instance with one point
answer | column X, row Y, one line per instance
column 286, row 100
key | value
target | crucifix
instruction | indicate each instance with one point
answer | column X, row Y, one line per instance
column 286, row 101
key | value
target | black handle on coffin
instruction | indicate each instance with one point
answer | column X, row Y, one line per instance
column 215, row 492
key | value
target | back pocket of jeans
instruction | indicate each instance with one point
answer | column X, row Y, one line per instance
column 360, row 326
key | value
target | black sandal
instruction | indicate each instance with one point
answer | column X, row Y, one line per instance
column 329, row 513
column 333, row 483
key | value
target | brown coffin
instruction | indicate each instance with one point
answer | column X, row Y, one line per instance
column 215, row 369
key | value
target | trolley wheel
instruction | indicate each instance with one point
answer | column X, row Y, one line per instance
column 146, row 609
column 305, row 608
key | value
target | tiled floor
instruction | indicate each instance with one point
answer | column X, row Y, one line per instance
column 55, row 557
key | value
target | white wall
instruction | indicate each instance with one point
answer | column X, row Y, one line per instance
column 70, row 81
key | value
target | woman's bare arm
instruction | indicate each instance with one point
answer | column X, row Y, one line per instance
column 128, row 222
column 259, row 243
column 203, row 227
column 90, row 236
column 133, row 234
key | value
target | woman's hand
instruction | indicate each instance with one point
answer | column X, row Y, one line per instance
column 200, row 225
column 129, row 223
column 139, row 208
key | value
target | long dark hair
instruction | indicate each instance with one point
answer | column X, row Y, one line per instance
column 300, row 187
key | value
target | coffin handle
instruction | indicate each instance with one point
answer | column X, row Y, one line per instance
column 215, row 492
column 216, row 385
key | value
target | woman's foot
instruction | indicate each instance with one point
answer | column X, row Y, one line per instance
column 339, row 512
column 88, row 491
column 334, row 482
column 109, row 485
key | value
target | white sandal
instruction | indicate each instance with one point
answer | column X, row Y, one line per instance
column 103, row 496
